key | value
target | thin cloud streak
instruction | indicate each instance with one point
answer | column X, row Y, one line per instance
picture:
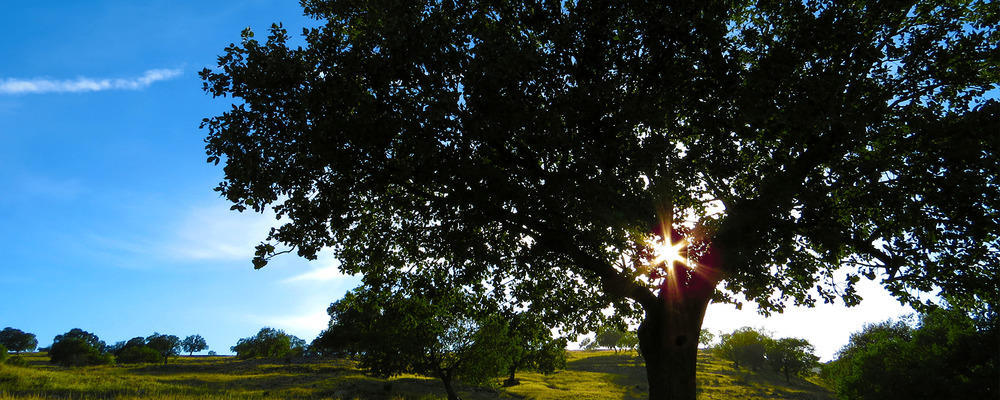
column 81, row 85
column 324, row 274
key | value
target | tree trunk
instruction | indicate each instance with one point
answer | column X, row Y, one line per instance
column 452, row 394
column 512, row 381
column 668, row 338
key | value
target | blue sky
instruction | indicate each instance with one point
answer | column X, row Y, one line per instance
column 108, row 221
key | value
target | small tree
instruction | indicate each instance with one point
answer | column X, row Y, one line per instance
column 134, row 351
column 705, row 338
column 269, row 343
column 165, row 345
column 441, row 334
column 77, row 348
column 17, row 340
column 744, row 347
column 609, row 337
column 791, row 356
column 194, row 343
column 533, row 347
column 138, row 354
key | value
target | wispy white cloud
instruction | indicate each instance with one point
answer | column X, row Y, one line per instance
column 324, row 274
column 327, row 270
column 83, row 84
column 306, row 325
column 213, row 232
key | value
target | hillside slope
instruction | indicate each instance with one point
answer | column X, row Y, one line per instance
column 589, row 375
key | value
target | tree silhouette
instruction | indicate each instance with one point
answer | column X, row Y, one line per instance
column 546, row 147
column 18, row 340
column 166, row 345
column 194, row 343
column 78, row 348
column 446, row 334
column 269, row 343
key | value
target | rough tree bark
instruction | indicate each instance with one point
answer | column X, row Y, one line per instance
column 668, row 334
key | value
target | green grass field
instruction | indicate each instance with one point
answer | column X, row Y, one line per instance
column 589, row 375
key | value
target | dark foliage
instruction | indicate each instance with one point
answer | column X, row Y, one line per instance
column 947, row 355
column 194, row 343
column 745, row 347
column 17, row 340
column 540, row 147
column 445, row 335
column 78, row 348
column 270, row 343
column 166, row 345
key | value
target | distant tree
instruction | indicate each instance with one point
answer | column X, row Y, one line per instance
column 791, row 356
column 211, row 353
column 269, row 343
column 629, row 340
column 194, row 343
column 705, row 338
column 166, row 345
column 438, row 334
column 532, row 346
column 17, row 340
column 77, row 348
column 745, row 347
column 609, row 337
column 792, row 141
column 138, row 354
column 134, row 351
column 947, row 355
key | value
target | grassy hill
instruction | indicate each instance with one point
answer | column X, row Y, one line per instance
column 589, row 375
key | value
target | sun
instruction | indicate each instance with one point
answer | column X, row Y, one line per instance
column 668, row 253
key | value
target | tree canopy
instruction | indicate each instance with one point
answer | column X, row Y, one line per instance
column 945, row 355
column 78, row 348
column 134, row 351
column 269, row 343
column 544, row 147
column 166, row 345
column 444, row 333
column 17, row 340
column 745, row 347
column 194, row 343
column 791, row 356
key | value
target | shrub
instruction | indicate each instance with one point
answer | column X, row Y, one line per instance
column 3, row 353
column 77, row 348
column 945, row 356
column 138, row 354
column 17, row 361
column 269, row 343
column 75, row 352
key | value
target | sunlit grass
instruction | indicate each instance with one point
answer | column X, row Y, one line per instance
column 589, row 375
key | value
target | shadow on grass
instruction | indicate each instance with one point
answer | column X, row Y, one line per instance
column 627, row 370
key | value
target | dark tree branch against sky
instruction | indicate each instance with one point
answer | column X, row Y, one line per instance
column 546, row 148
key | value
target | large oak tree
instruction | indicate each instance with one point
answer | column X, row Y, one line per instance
column 544, row 147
